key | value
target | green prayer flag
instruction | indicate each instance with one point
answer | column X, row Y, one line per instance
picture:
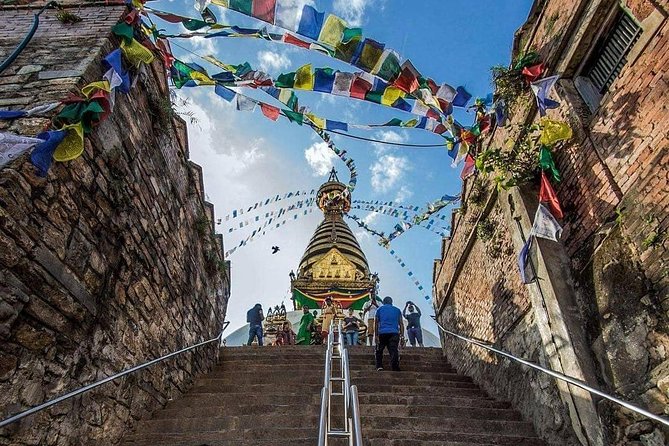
column 285, row 80
column 351, row 34
column 346, row 50
column 546, row 162
column 293, row 116
column 396, row 122
column 194, row 25
column 124, row 31
column 390, row 68
column 292, row 101
column 243, row 6
column 374, row 96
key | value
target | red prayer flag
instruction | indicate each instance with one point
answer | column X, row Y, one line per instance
column 359, row 88
column 532, row 73
column 270, row 111
column 263, row 10
column 292, row 40
column 408, row 78
column 470, row 167
column 547, row 195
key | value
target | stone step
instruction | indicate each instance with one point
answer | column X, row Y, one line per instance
column 236, row 423
column 250, row 366
column 233, row 399
column 254, row 436
column 442, row 411
column 357, row 377
column 407, row 425
column 255, row 389
column 431, row 400
column 373, row 437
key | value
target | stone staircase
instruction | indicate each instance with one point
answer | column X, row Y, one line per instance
column 271, row 396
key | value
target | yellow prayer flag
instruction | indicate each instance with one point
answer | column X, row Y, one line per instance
column 410, row 123
column 390, row 95
column 285, row 95
column 553, row 131
column 73, row 144
column 304, row 78
column 332, row 31
column 202, row 78
column 223, row 3
column 91, row 88
column 136, row 52
column 218, row 63
column 316, row 120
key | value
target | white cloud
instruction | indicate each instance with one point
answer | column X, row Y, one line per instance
column 388, row 136
column 353, row 11
column 387, row 171
column 288, row 11
column 270, row 61
column 403, row 194
column 320, row 158
column 203, row 46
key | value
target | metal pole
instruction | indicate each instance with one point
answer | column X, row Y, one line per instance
column 322, row 427
column 560, row 376
column 355, row 412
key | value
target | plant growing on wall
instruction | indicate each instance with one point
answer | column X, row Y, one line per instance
column 509, row 82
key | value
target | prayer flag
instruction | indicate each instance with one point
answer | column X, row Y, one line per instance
column 224, row 92
column 304, row 78
column 342, row 84
column 336, row 125
column 547, row 195
column 408, row 78
column 469, row 169
column 13, row 146
column 294, row 116
column 546, row 162
column 390, row 95
column 527, row 274
column 136, row 53
column 263, row 10
column 541, row 89
column 553, row 131
column 285, row 80
column 72, row 144
column 461, row 98
column 316, row 120
column 311, row 22
column 388, row 66
column 324, row 80
column 333, row 31
column 369, row 55
column 545, row 225
column 270, row 111
column 245, row 103
column 292, row 40
column 113, row 61
column 533, row 72
column 288, row 14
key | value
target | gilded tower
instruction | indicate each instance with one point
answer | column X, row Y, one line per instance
column 333, row 264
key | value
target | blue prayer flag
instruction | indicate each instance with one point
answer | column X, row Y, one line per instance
column 311, row 22
column 225, row 93
column 461, row 97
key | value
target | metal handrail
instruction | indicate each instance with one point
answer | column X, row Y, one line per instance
column 85, row 389
column 558, row 375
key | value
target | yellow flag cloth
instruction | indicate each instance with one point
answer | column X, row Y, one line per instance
column 223, row 3
column 73, row 145
column 91, row 88
column 390, row 95
column 304, row 78
column 410, row 123
column 136, row 52
column 218, row 63
column 553, row 131
column 202, row 78
column 332, row 31
column 317, row 121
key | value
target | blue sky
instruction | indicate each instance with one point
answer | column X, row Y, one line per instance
column 246, row 157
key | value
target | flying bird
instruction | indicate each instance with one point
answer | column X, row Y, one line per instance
column 275, row 249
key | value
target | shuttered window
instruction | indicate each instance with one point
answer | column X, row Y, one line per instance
column 611, row 55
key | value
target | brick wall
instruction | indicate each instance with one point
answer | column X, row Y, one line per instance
column 487, row 301
column 618, row 159
column 109, row 261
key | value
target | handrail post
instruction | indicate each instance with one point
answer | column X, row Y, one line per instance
column 322, row 426
column 355, row 413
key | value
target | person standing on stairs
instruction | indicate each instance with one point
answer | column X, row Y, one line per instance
column 351, row 328
column 304, row 332
column 370, row 308
column 412, row 315
column 255, row 317
column 389, row 327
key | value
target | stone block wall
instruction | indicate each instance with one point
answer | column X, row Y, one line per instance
column 109, row 261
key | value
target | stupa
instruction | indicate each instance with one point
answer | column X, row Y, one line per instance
column 333, row 264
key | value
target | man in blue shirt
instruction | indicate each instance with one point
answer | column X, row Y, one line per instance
column 388, row 329
column 255, row 317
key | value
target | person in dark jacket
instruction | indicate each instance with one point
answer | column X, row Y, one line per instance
column 255, row 317
column 412, row 315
